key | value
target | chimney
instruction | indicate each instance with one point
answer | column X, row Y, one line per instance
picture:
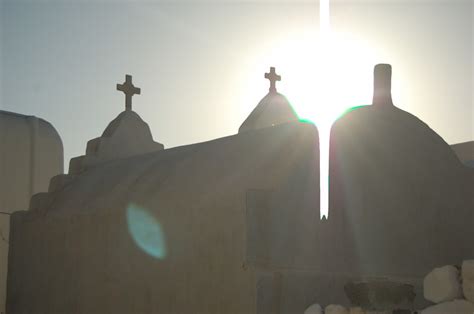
column 382, row 85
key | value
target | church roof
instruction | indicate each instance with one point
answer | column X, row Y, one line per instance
column 273, row 109
column 127, row 135
column 31, row 152
column 115, row 123
column 165, row 176
column 45, row 130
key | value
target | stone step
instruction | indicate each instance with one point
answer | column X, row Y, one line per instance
column 93, row 146
column 59, row 182
column 76, row 165
column 41, row 201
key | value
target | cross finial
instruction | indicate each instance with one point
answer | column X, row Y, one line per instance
column 273, row 78
column 129, row 90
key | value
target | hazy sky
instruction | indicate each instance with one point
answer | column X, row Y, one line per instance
column 200, row 64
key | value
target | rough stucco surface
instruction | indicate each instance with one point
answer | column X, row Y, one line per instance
column 273, row 109
column 240, row 218
column 31, row 152
column 125, row 136
column 403, row 197
column 85, row 260
column 464, row 151
column 4, row 235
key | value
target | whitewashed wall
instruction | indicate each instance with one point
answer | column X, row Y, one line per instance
column 31, row 152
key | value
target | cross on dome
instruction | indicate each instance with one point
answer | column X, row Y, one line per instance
column 129, row 90
column 273, row 78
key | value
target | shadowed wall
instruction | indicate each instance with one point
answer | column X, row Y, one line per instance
column 86, row 260
column 401, row 195
column 31, row 152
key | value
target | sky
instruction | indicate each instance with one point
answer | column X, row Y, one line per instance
column 200, row 64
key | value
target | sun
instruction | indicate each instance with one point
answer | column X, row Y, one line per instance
column 322, row 77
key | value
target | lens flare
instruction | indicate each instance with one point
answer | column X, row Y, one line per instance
column 324, row 72
column 350, row 110
column 146, row 231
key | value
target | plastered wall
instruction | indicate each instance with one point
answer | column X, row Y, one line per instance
column 31, row 152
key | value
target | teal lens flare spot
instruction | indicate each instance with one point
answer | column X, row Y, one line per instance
column 306, row 121
column 350, row 110
column 146, row 231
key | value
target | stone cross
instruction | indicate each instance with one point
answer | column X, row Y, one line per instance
column 273, row 78
column 129, row 90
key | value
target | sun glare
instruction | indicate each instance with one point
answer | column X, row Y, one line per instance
column 323, row 74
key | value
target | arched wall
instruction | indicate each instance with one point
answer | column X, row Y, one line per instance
column 31, row 152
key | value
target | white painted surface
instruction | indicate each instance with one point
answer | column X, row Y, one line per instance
column 31, row 152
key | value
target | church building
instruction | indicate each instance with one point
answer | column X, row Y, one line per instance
column 233, row 225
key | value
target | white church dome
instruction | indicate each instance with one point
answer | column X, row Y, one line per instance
column 125, row 136
column 273, row 109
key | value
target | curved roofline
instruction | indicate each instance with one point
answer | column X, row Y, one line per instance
column 421, row 123
column 113, row 125
column 41, row 120
column 254, row 116
column 15, row 114
column 20, row 115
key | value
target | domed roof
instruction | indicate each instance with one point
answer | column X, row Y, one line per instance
column 273, row 109
column 127, row 135
column 393, row 177
column 377, row 125
column 383, row 122
column 127, row 115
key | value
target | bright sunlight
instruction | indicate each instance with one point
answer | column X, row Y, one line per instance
column 323, row 74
